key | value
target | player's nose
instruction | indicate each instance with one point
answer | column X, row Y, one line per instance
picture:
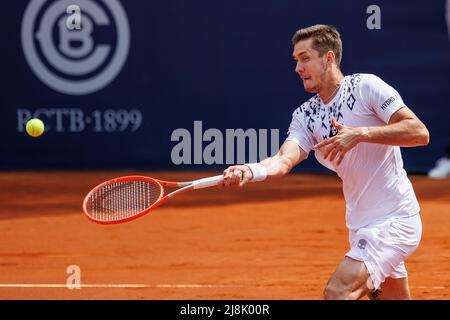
column 299, row 68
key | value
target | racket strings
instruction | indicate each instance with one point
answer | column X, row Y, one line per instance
column 122, row 200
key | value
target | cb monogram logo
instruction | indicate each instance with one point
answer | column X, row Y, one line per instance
column 75, row 62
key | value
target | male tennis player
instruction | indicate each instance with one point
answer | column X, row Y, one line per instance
column 356, row 125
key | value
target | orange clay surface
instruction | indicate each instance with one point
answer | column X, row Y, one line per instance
column 277, row 240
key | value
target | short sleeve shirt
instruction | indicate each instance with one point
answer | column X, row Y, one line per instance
column 375, row 183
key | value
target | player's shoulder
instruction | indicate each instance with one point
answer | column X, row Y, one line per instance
column 364, row 80
column 308, row 107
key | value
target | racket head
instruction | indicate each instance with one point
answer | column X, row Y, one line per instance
column 123, row 199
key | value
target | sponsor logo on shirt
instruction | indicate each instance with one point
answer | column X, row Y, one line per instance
column 389, row 101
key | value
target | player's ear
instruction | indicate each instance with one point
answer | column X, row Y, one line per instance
column 330, row 58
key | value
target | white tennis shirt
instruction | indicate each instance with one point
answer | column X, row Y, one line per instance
column 375, row 184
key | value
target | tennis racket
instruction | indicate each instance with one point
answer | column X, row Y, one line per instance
column 126, row 198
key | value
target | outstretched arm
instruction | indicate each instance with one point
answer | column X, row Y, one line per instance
column 289, row 155
column 404, row 129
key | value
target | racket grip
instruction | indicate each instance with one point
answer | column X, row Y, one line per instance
column 207, row 182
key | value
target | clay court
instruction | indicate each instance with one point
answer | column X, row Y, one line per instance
column 279, row 240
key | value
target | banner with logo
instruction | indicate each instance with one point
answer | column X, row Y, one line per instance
column 197, row 84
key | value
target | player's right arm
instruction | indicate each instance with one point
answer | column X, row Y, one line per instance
column 289, row 155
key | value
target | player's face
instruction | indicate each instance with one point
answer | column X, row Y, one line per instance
column 309, row 66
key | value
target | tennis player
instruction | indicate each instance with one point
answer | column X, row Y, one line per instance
column 356, row 125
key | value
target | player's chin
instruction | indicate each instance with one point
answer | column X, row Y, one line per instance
column 308, row 87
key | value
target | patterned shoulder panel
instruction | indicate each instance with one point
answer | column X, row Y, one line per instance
column 348, row 97
column 309, row 107
column 307, row 110
column 354, row 81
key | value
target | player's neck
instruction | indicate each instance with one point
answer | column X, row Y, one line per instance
column 331, row 86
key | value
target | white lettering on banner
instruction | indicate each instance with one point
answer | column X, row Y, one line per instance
column 75, row 120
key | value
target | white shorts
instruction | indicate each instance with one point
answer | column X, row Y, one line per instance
column 384, row 247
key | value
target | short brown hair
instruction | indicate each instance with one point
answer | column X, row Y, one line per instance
column 324, row 37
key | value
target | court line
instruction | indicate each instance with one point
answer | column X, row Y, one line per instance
column 57, row 285
column 124, row 285
column 196, row 286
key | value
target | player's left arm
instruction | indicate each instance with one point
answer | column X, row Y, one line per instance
column 404, row 129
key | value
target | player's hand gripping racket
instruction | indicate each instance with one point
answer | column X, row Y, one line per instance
column 126, row 198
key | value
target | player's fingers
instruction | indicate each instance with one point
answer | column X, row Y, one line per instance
column 237, row 177
column 341, row 157
column 228, row 170
column 246, row 176
column 243, row 182
column 228, row 182
column 234, row 175
column 328, row 150
column 334, row 153
column 248, row 173
column 323, row 143
column 336, row 124
column 227, row 178
column 225, row 182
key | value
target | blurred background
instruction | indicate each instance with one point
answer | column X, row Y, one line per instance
column 113, row 94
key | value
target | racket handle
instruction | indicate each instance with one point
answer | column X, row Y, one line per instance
column 207, row 182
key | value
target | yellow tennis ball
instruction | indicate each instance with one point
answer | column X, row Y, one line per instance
column 35, row 127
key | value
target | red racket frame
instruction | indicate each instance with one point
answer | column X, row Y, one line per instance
column 185, row 186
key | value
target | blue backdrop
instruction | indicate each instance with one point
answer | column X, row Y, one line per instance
column 227, row 64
